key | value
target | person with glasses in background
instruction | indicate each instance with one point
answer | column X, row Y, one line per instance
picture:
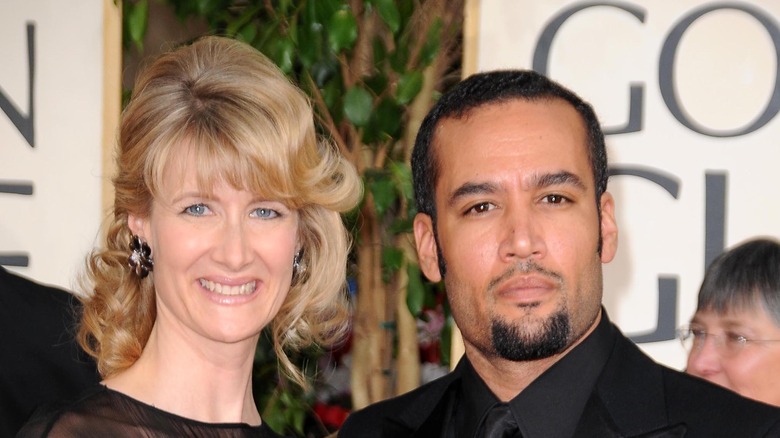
column 733, row 339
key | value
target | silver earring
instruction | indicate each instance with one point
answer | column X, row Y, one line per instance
column 299, row 268
column 140, row 260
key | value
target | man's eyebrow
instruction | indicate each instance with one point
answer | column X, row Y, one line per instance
column 557, row 178
column 468, row 189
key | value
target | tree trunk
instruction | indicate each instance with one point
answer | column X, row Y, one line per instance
column 408, row 363
column 369, row 380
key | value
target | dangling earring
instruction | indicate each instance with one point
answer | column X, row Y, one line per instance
column 140, row 260
column 299, row 268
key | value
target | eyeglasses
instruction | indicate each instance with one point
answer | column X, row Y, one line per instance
column 729, row 344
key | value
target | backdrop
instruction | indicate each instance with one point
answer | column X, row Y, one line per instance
column 57, row 112
column 688, row 94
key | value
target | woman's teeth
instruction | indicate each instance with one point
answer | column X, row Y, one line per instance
column 223, row 289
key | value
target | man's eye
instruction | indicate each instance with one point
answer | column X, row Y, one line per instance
column 197, row 210
column 555, row 199
column 265, row 213
column 482, row 207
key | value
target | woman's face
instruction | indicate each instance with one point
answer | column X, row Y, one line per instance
column 222, row 260
column 752, row 370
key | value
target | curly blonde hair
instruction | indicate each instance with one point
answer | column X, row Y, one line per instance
column 250, row 127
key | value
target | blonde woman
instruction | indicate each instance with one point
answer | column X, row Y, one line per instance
column 226, row 220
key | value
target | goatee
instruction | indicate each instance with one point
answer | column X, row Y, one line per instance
column 511, row 342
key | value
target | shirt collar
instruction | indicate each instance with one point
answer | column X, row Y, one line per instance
column 477, row 400
column 551, row 405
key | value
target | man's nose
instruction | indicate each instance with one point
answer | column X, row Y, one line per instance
column 523, row 237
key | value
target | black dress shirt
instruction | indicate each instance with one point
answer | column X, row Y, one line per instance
column 551, row 406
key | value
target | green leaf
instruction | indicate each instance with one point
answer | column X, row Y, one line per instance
column 390, row 15
column 415, row 291
column 203, row 7
column 283, row 8
column 388, row 116
column 298, row 417
column 332, row 93
column 322, row 71
column 247, row 33
column 310, row 43
column 402, row 174
column 285, row 54
column 409, row 84
column 445, row 344
column 137, row 21
column 377, row 83
column 406, row 9
column 357, row 106
column 385, row 194
column 342, row 30
column 322, row 10
column 269, row 32
column 236, row 25
column 392, row 260
column 371, row 134
column 401, row 225
column 399, row 57
column 432, row 44
column 380, row 53
column 384, row 124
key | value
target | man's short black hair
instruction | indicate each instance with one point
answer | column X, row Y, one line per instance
column 491, row 88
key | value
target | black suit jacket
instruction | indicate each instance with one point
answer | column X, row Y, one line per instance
column 40, row 362
column 633, row 397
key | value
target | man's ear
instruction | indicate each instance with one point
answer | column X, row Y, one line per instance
column 425, row 240
column 609, row 229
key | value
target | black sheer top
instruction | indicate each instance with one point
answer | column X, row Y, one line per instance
column 102, row 412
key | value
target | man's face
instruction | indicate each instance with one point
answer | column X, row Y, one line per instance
column 518, row 228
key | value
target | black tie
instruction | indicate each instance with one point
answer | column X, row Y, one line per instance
column 498, row 423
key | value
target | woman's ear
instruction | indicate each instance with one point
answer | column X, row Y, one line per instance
column 137, row 226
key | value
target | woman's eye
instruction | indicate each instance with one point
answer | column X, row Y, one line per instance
column 265, row 213
column 735, row 338
column 197, row 210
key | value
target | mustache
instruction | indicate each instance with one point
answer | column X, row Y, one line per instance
column 524, row 267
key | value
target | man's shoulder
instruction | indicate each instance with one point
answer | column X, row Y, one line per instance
column 637, row 382
column 406, row 409
column 694, row 400
column 24, row 292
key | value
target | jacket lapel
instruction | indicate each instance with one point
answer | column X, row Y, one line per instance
column 437, row 422
column 427, row 416
column 676, row 431
column 596, row 421
column 629, row 399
